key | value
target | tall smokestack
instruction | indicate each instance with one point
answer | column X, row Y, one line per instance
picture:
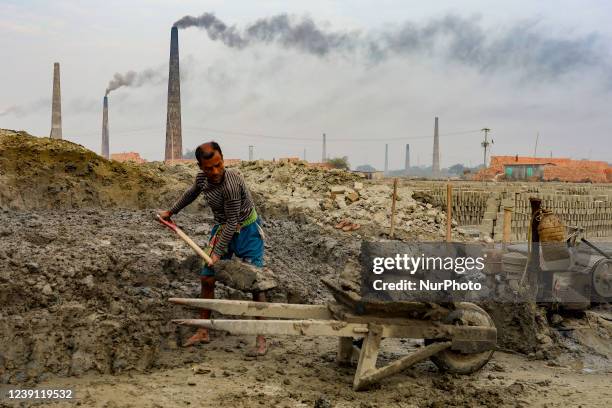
column 386, row 158
column 324, row 154
column 174, row 138
column 105, row 149
column 56, row 105
column 436, row 152
column 407, row 164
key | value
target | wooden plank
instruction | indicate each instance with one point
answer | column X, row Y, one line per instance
column 425, row 329
column 397, row 366
column 333, row 328
column 369, row 354
column 257, row 309
column 337, row 328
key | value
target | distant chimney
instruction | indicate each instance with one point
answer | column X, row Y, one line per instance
column 407, row 164
column 56, row 105
column 436, row 151
column 174, row 138
column 324, row 155
column 105, row 149
column 386, row 158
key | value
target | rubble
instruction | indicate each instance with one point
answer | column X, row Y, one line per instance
column 328, row 197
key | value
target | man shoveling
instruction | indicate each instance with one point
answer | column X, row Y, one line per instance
column 237, row 232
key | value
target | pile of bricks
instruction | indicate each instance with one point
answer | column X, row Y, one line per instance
column 591, row 212
column 476, row 203
column 128, row 157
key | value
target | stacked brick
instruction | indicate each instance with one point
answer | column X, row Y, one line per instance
column 591, row 212
column 585, row 206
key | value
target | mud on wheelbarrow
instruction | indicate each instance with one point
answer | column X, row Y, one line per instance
column 459, row 337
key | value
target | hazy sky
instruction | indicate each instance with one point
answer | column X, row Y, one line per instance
column 365, row 73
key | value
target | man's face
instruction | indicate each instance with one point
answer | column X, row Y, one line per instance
column 213, row 168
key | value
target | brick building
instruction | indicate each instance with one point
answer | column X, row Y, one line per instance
column 555, row 169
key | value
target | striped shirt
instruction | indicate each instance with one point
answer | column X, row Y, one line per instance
column 229, row 200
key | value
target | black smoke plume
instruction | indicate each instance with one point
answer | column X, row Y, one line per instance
column 524, row 46
column 135, row 79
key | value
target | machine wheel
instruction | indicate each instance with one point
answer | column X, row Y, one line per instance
column 456, row 362
column 601, row 281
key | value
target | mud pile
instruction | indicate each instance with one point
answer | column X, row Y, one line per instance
column 86, row 290
column 327, row 197
column 43, row 173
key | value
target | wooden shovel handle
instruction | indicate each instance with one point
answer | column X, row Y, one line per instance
column 185, row 238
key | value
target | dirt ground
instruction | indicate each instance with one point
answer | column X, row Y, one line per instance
column 83, row 296
column 301, row 372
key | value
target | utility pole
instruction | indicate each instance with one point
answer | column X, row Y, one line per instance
column 250, row 152
column 486, row 144
column 535, row 149
column 304, row 154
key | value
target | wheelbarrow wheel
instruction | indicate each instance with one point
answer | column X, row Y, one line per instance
column 466, row 314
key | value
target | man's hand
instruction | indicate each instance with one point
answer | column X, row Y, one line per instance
column 214, row 258
column 165, row 215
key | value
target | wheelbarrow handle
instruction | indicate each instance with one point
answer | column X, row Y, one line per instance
column 186, row 238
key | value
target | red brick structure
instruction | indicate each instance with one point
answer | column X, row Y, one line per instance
column 129, row 156
column 289, row 159
column 320, row 165
column 556, row 169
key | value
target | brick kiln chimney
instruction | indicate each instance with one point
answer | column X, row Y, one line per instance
column 386, row 159
column 436, row 151
column 324, row 151
column 174, row 139
column 105, row 149
column 56, row 105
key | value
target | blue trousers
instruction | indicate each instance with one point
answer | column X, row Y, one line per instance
column 247, row 245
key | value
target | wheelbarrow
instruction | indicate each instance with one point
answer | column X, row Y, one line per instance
column 459, row 337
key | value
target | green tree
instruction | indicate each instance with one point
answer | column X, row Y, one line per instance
column 456, row 169
column 339, row 163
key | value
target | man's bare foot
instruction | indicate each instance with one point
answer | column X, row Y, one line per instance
column 200, row 336
column 261, row 347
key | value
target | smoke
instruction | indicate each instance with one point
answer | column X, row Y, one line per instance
column 76, row 105
column 299, row 33
column 523, row 46
column 27, row 109
column 136, row 79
